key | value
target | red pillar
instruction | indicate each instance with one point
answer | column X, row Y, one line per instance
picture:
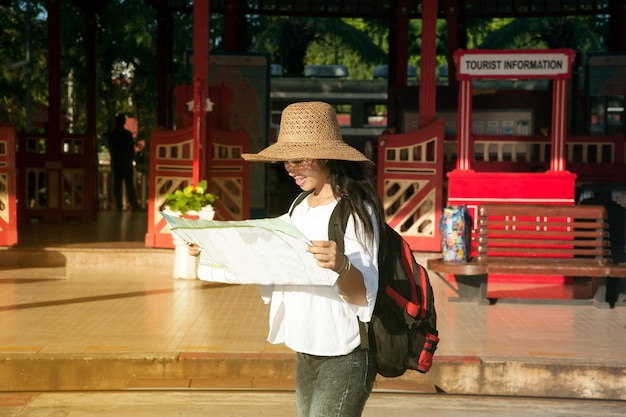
column 400, row 29
column 559, row 111
column 465, row 140
column 232, row 26
column 457, row 37
column 428, row 82
column 398, row 56
column 164, row 65
column 200, row 85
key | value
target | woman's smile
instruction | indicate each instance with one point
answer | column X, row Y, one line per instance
column 299, row 180
column 308, row 174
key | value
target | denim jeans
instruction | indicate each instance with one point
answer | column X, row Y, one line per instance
column 334, row 386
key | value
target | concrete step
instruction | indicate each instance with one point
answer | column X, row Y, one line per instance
column 452, row 375
column 66, row 261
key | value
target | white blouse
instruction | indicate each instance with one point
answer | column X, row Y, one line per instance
column 316, row 319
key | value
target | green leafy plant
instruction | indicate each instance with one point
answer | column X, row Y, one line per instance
column 190, row 198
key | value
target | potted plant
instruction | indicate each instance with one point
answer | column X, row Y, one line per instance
column 191, row 201
column 195, row 202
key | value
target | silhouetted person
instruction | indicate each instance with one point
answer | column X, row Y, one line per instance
column 617, row 231
column 122, row 151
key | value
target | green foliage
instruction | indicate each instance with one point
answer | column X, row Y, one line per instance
column 479, row 29
column 23, row 64
column 355, row 43
column 190, row 198
column 581, row 33
column 295, row 42
column 415, row 43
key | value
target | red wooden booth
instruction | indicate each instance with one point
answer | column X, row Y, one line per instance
column 556, row 185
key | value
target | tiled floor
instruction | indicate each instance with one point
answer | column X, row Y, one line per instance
column 137, row 309
column 128, row 311
column 143, row 309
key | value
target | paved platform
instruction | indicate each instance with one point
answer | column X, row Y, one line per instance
column 282, row 404
column 88, row 307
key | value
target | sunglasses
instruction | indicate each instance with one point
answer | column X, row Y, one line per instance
column 296, row 164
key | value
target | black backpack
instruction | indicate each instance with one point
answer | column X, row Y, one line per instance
column 403, row 330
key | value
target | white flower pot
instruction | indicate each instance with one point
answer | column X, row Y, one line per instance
column 185, row 265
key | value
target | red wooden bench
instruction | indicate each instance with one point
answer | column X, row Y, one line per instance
column 571, row 241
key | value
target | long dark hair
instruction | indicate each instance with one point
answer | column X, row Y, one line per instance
column 350, row 184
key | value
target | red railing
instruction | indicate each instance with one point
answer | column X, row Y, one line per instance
column 591, row 158
column 171, row 158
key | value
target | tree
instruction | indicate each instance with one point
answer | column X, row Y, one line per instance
column 23, row 76
column 288, row 41
column 415, row 42
column 584, row 34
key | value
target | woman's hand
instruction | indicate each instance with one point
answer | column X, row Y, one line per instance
column 350, row 281
column 194, row 250
column 327, row 255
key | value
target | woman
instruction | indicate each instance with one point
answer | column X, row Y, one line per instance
column 334, row 376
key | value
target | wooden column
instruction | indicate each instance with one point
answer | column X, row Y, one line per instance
column 91, row 147
column 457, row 36
column 398, row 58
column 164, row 66
column 465, row 142
column 232, row 26
column 53, row 165
column 91, row 53
column 559, row 126
column 618, row 28
column 200, row 86
column 53, row 145
column 428, row 63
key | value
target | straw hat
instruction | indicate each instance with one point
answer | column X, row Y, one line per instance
column 308, row 131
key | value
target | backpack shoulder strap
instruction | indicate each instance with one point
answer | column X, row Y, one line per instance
column 299, row 199
column 336, row 231
column 338, row 223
